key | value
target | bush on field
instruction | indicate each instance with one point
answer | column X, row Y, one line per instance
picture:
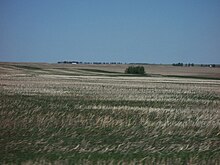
column 135, row 70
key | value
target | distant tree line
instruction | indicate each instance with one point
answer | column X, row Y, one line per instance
column 135, row 70
column 99, row 63
column 181, row 64
column 77, row 62
column 192, row 64
column 69, row 62
column 106, row 63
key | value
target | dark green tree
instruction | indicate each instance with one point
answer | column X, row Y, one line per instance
column 135, row 70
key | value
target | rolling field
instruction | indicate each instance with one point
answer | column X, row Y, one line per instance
column 96, row 114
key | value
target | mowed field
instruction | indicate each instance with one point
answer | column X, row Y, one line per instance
column 96, row 114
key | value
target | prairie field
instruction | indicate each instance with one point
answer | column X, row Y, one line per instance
column 96, row 114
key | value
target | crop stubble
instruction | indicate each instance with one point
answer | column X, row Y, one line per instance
column 101, row 119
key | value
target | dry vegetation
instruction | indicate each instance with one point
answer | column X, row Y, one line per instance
column 97, row 115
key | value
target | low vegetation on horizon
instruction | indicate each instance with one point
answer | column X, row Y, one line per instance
column 63, row 114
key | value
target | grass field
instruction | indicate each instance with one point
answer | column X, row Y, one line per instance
column 96, row 114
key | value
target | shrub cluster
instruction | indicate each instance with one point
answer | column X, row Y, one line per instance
column 135, row 70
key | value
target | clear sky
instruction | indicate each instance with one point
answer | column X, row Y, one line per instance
column 151, row 31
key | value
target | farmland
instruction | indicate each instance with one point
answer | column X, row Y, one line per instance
column 96, row 114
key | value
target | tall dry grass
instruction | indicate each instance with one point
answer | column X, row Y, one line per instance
column 108, row 120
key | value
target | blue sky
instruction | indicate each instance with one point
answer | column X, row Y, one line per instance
column 151, row 31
